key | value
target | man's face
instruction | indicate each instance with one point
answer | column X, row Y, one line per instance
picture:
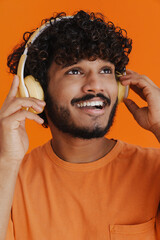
column 82, row 98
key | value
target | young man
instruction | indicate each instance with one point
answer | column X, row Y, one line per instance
column 79, row 185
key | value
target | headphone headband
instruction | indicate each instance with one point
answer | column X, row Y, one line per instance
column 22, row 61
column 40, row 30
column 29, row 87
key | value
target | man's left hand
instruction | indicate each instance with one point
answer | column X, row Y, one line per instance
column 147, row 117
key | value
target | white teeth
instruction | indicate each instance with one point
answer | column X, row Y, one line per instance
column 95, row 103
column 84, row 104
column 92, row 104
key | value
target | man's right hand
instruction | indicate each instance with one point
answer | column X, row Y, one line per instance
column 13, row 137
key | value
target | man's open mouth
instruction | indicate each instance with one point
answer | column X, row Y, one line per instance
column 91, row 104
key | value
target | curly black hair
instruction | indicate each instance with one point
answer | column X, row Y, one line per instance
column 82, row 36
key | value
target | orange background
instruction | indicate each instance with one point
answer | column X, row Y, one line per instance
column 139, row 17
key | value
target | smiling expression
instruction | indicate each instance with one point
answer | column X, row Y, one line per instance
column 82, row 96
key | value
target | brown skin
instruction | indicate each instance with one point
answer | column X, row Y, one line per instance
column 13, row 136
column 80, row 151
column 92, row 77
column 65, row 85
column 13, row 146
column 147, row 117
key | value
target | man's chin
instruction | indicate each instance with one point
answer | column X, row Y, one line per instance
column 84, row 132
column 62, row 120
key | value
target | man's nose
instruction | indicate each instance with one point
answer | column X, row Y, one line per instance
column 93, row 84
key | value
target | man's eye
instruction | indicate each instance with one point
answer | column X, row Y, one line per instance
column 74, row 72
column 106, row 71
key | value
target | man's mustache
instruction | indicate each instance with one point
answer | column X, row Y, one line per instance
column 91, row 96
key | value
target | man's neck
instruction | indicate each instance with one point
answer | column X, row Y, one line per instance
column 78, row 150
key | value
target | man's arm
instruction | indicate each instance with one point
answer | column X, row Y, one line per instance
column 8, row 175
column 147, row 117
column 13, row 146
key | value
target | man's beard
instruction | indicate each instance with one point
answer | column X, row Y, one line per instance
column 61, row 118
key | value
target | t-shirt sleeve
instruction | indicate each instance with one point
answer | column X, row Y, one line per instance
column 10, row 231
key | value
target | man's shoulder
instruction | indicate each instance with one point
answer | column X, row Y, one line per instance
column 138, row 148
column 142, row 155
column 132, row 149
column 36, row 157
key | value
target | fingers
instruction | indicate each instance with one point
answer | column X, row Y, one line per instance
column 146, row 116
column 15, row 120
column 14, row 87
column 140, row 84
column 132, row 106
column 139, row 114
column 18, row 103
column 138, row 91
column 13, row 106
column 132, row 77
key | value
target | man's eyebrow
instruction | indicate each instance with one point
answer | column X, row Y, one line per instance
column 107, row 66
column 72, row 64
column 109, row 63
column 69, row 65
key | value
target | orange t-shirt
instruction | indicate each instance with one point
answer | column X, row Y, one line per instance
column 114, row 198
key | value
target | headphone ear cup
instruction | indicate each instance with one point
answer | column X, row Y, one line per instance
column 34, row 88
column 122, row 91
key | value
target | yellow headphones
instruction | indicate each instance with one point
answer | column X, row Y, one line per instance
column 122, row 90
column 30, row 87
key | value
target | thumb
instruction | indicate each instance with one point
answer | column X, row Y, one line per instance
column 14, row 88
column 132, row 106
